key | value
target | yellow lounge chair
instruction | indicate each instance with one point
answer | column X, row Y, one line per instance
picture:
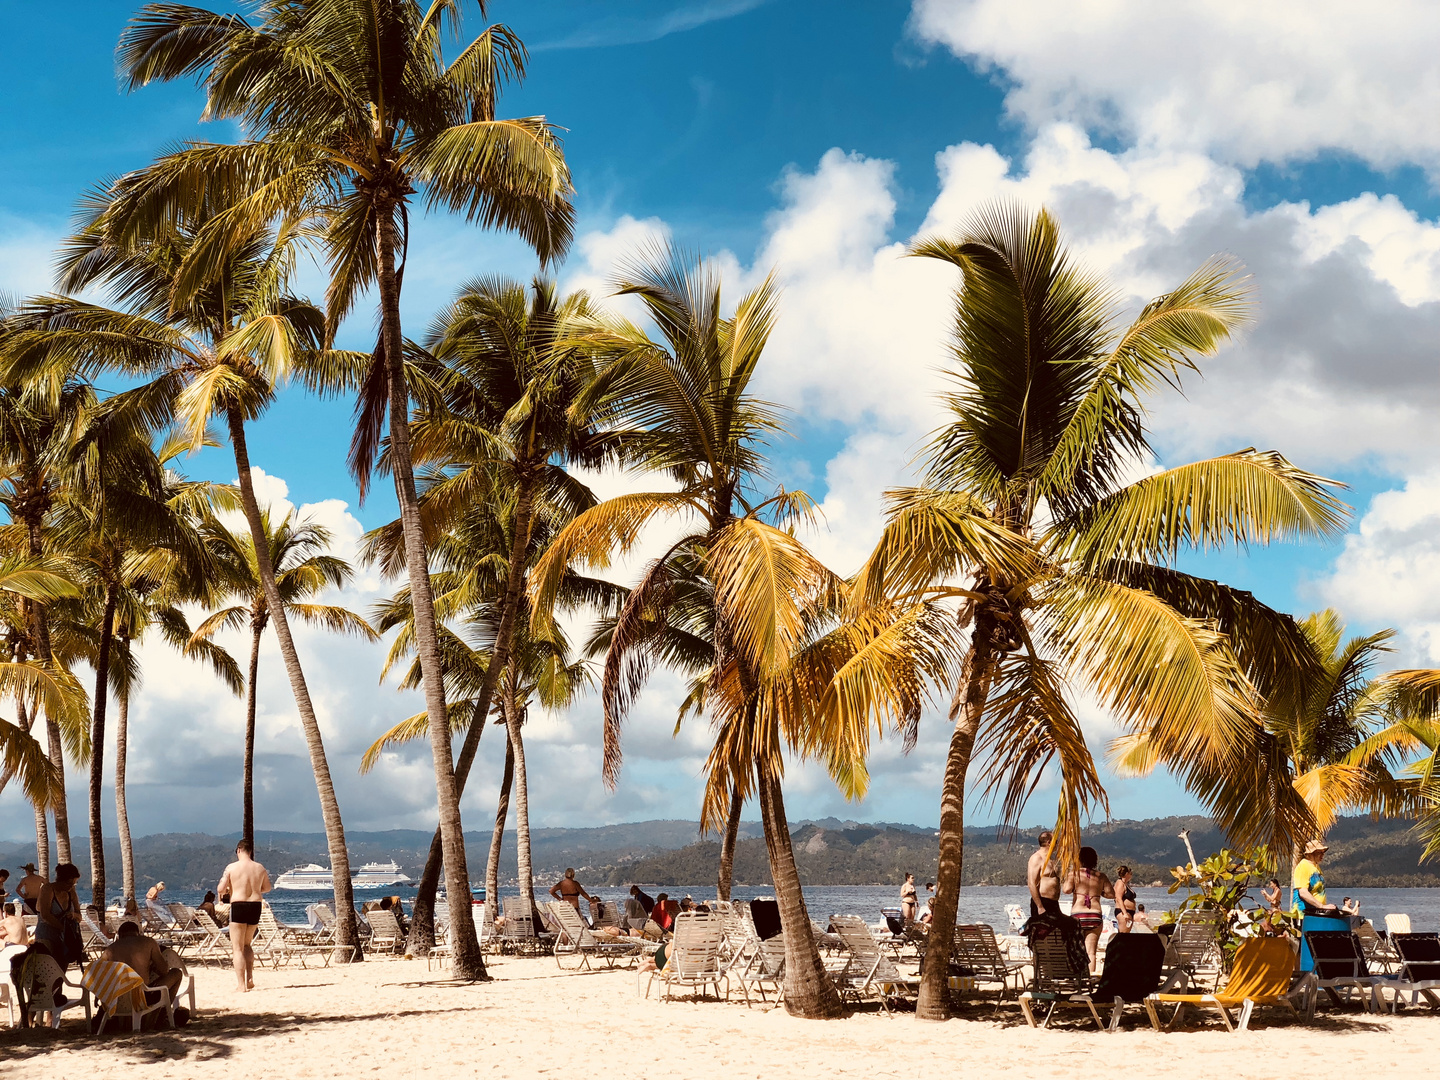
column 1261, row 975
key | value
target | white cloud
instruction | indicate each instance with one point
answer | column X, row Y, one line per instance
column 1389, row 571
column 1246, row 82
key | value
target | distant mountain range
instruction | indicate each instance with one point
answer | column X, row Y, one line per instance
column 1363, row 853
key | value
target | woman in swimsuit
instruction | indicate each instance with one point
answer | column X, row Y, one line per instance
column 1124, row 900
column 58, row 903
column 1088, row 885
column 909, row 905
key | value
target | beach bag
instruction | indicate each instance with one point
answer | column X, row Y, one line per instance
column 72, row 945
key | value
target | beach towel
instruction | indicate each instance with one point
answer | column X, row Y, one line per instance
column 109, row 980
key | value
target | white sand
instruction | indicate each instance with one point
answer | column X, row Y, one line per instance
column 393, row 1018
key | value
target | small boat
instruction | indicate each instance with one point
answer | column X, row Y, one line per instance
column 316, row 877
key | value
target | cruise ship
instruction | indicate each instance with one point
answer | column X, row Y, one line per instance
column 370, row 876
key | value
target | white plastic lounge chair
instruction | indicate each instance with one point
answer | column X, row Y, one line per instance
column 385, row 933
column 282, row 944
column 976, row 947
column 576, row 943
column 1017, row 918
column 868, row 972
column 692, row 957
column 187, row 980
column 40, row 976
column 92, row 937
column 765, row 968
column 1192, row 950
column 213, row 943
column 1061, row 976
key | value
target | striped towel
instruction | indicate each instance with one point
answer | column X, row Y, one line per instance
column 109, row 980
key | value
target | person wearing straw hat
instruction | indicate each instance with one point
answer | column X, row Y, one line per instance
column 1308, row 884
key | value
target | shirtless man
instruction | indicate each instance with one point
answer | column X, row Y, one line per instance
column 245, row 882
column 143, row 955
column 29, row 888
column 569, row 890
column 1043, row 877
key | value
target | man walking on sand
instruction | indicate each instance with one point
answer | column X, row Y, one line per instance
column 245, row 882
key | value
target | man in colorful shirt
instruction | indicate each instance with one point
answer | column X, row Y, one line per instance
column 1308, row 884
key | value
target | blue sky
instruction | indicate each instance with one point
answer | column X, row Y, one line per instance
column 816, row 137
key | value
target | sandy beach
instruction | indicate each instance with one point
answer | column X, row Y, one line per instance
column 392, row 1017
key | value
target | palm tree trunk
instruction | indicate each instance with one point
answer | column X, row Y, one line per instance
column 345, row 928
column 522, row 807
column 247, row 818
column 497, row 838
column 42, row 827
column 467, row 962
column 809, row 991
column 422, row 913
column 42, row 842
column 934, row 1001
column 52, row 729
column 727, row 844
column 500, row 660
column 97, row 747
column 122, row 814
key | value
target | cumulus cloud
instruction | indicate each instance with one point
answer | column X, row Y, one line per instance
column 1244, row 82
column 1389, row 571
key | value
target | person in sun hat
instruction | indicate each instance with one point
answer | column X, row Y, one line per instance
column 1308, row 883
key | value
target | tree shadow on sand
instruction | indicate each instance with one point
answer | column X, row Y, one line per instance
column 209, row 1037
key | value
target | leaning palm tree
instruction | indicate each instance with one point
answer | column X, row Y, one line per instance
column 1046, row 431
column 350, row 109
column 220, row 350
column 1322, row 752
column 689, row 398
column 303, row 567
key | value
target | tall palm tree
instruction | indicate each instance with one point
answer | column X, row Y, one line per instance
column 36, row 423
column 1046, row 430
column 689, row 397
column 124, row 514
column 497, row 381
column 299, row 553
column 219, row 350
column 388, row 119
column 1318, row 751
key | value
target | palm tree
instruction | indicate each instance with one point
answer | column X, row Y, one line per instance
column 123, row 515
column 221, row 349
column 299, row 553
column 1321, row 753
column 1062, row 565
column 36, row 421
column 388, row 119
column 689, row 396
column 498, row 380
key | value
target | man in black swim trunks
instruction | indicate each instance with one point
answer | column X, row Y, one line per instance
column 246, row 882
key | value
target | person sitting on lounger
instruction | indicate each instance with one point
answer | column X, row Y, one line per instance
column 662, row 917
column 208, row 906
column 1088, row 885
column 392, row 904
column 142, row 954
column 1140, row 922
column 1349, row 906
column 14, row 938
column 645, row 901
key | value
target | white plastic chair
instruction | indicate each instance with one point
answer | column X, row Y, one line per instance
column 42, row 974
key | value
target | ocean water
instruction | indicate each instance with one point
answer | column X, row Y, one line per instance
column 979, row 904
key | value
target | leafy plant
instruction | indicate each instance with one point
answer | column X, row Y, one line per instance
column 1222, row 883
